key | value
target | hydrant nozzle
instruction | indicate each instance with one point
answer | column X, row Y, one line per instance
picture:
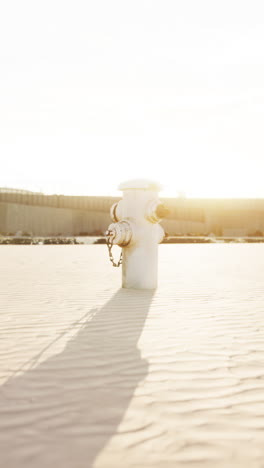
column 156, row 211
column 162, row 211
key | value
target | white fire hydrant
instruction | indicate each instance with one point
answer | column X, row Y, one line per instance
column 137, row 230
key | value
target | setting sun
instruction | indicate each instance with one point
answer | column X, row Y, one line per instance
column 173, row 94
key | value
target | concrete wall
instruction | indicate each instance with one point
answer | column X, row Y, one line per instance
column 46, row 221
column 59, row 201
column 52, row 215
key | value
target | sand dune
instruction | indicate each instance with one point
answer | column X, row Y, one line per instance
column 96, row 376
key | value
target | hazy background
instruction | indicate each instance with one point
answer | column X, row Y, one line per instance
column 94, row 92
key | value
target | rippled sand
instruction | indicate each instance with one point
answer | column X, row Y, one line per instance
column 92, row 375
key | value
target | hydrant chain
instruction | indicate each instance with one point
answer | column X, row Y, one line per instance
column 109, row 242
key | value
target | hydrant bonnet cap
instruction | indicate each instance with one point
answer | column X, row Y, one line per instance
column 140, row 184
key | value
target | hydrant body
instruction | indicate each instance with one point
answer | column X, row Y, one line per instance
column 137, row 231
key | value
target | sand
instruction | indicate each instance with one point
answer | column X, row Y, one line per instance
column 95, row 376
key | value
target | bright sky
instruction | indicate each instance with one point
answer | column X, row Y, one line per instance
column 96, row 92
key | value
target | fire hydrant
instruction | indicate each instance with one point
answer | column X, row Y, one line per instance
column 137, row 230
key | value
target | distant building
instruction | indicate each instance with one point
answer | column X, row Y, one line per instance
column 51, row 215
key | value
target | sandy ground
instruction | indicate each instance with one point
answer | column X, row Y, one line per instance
column 95, row 376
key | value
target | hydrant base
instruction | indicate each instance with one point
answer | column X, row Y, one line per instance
column 140, row 267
